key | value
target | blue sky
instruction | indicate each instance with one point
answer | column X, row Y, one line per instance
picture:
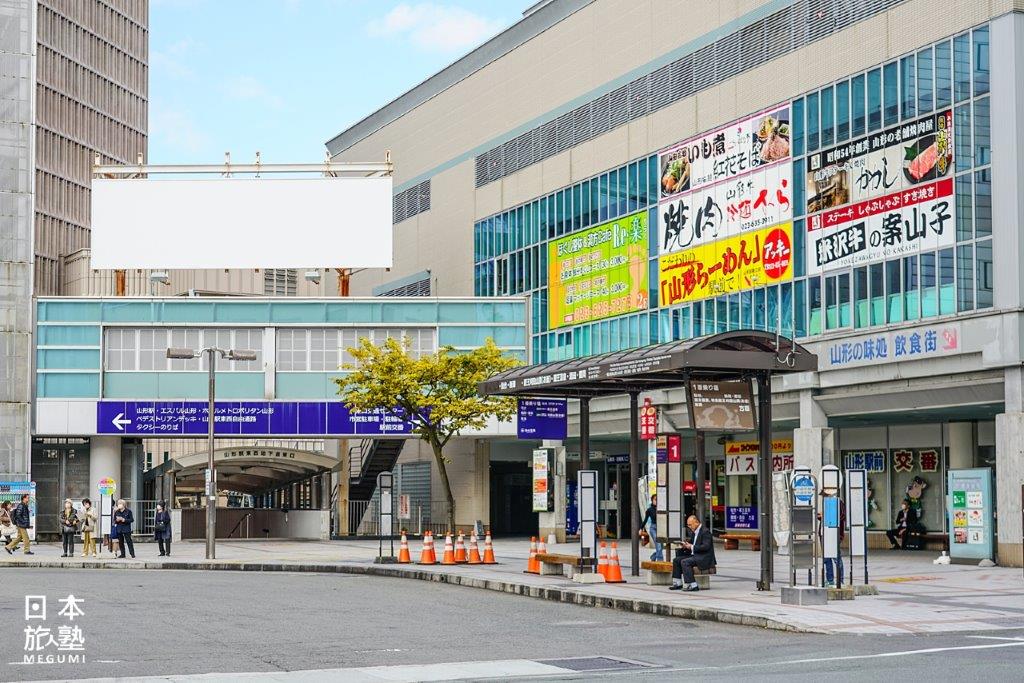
column 283, row 76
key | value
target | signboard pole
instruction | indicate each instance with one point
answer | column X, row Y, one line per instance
column 764, row 470
column 857, row 514
column 584, row 433
column 701, row 496
column 634, row 473
column 587, row 491
column 211, row 481
column 386, row 517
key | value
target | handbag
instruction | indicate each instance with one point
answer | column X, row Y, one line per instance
column 8, row 530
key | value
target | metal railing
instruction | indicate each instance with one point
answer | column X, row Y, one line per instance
column 357, row 456
column 363, row 518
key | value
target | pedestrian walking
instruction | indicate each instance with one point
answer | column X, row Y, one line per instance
column 90, row 520
column 122, row 530
column 7, row 529
column 68, row 528
column 650, row 522
column 22, row 518
column 162, row 528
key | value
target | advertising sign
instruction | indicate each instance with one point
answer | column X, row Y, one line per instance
column 742, row 517
column 107, row 486
column 12, row 491
column 541, row 485
column 890, row 347
column 542, row 418
column 721, row 406
column 882, row 195
column 652, row 467
column 598, row 272
column 727, row 152
column 971, row 513
column 648, row 421
column 738, row 263
column 738, row 453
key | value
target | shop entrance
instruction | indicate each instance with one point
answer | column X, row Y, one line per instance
column 512, row 499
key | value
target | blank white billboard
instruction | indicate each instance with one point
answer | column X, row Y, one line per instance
column 242, row 223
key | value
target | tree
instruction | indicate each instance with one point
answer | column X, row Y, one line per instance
column 437, row 393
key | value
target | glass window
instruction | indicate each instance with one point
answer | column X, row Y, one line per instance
column 800, row 308
column 559, row 213
column 746, row 310
column 874, row 99
column 857, row 108
column 908, row 94
column 653, row 179
column 842, row 110
column 845, row 319
column 943, row 75
column 603, row 207
column 734, row 311
column 965, row 277
column 831, row 303
column 982, row 133
column 786, row 308
column 962, row 67
column 947, row 288
column 773, row 307
column 721, row 315
column 799, row 204
column 544, row 231
column 891, row 93
column 759, row 309
column 929, row 291
column 962, row 133
column 641, row 188
column 861, row 303
column 981, row 65
column 924, row 81
column 577, row 207
column 983, row 257
column 812, row 122
column 963, row 207
column 828, row 116
column 983, row 203
column 798, row 127
column 595, row 200
column 893, row 291
column 814, row 303
column 698, row 319
column 623, row 192
column 911, row 297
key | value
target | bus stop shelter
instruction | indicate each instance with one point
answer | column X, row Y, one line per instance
column 745, row 355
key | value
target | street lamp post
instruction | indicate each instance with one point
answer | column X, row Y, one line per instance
column 211, row 475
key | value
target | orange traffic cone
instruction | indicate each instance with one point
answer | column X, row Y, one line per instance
column 460, row 549
column 427, row 554
column 489, row 549
column 474, row 550
column 533, row 564
column 449, row 552
column 602, row 560
column 403, row 552
column 542, row 547
column 613, row 572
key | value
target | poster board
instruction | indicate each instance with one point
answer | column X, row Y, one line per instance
column 970, row 505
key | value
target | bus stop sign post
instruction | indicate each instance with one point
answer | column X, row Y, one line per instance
column 386, row 518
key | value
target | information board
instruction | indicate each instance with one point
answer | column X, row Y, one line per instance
column 971, row 513
column 542, row 418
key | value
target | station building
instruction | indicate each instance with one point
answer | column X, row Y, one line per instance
column 843, row 172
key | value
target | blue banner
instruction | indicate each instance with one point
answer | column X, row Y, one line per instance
column 244, row 418
column 741, row 517
column 543, row 418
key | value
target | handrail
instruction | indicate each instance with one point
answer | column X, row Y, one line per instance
column 244, row 517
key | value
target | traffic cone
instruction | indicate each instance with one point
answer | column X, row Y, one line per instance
column 489, row 549
column 427, row 554
column 460, row 549
column 533, row 565
column 403, row 552
column 613, row 572
column 602, row 560
column 542, row 548
column 449, row 552
column 474, row 550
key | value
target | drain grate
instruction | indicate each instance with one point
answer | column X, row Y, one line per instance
column 595, row 664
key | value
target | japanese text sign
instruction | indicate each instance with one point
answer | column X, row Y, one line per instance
column 721, row 406
column 542, row 418
column 893, row 346
column 742, row 517
column 648, row 421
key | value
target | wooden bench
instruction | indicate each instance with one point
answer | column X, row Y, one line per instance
column 732, row 541
column 660, row 574
column 926, row 537
column 553, row 564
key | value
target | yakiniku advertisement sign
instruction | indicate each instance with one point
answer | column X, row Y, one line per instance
column 881, row 196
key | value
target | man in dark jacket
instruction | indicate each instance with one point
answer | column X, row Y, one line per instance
column 122, row 529
column 700, row 552
column 906, row 520
column 22, row 518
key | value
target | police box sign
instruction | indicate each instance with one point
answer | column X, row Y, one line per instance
column 893, row 346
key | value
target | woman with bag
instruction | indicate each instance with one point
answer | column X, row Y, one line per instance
column 7, row 528
column 89, row 523
column 68, row 528
column 162, row 528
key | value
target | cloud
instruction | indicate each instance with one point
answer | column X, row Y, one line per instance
column 437, row 28
column 251, row 88
column 172, row 60
column 176, row 129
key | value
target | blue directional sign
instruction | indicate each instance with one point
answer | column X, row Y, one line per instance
column 245, row 418
column 543, row 418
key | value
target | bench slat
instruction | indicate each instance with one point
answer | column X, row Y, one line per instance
column 554, row 558
column 666, row 567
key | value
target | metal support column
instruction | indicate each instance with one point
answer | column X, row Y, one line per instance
column 699, row 476
column 211, row 473
column 584, row 433
column 634, row 475
column 764, row 475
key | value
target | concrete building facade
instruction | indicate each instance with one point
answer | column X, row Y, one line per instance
column 844, row 172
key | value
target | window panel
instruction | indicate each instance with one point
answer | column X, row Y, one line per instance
column 798, row 127
column 827, row 117
column 874, row 99
column 965, row 277
column 982, row 133
column 983, row 258
column 962, row 67
column 925, row 90
column 876, row 284
column 908, row 93
column 842, row 111
column 981, row 61
column 943, row 75
column 893, row 291
column 962, row 135
column 929, row 290
column 861, row 302
column 963, row 207
column 911, row 296
column 983, row 203
column 812, row 122
column 890, row 93
column 858, row 111
column 947, row 282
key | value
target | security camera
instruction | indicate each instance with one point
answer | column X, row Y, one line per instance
column 312, row 276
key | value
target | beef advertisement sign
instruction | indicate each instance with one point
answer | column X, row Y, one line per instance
column 882, row 196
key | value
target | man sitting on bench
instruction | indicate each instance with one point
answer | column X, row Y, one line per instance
column 700, row 552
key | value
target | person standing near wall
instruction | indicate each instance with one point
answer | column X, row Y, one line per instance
column 650, row 522
column 122, row 530
column 90, row 521
column 162, row 528
column 68, row 528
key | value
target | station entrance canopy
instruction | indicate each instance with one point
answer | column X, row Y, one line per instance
column 738, row 355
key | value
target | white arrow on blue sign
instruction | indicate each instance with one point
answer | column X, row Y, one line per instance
column 120, row 422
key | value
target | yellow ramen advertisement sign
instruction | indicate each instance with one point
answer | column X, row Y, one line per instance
column 751, row 259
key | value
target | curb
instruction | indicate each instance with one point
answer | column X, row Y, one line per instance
column 552, row 594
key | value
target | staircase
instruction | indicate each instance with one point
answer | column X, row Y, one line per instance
column 369, row 459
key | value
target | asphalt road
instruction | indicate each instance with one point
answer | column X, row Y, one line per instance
column 139, row 623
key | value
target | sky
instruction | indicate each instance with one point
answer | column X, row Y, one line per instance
column 284, row 76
